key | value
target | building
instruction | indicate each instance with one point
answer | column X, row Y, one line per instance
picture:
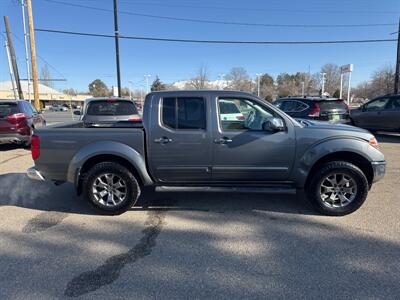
column 47, row 95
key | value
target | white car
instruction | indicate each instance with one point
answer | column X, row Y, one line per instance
column 230, row 112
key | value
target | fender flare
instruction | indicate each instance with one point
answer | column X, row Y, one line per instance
column 108, row 148
column 331, row 146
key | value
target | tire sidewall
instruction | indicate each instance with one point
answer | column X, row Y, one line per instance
column 132, row 187
column 345, row 168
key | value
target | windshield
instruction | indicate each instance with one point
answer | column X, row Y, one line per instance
column 111, row 108
column 7, row 109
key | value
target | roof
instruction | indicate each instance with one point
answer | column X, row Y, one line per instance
column 7, row 86
column 201, row 92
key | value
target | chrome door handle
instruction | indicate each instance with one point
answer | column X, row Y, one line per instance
column 163, row 140
column 223, row 140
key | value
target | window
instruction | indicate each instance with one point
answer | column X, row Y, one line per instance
column 376, row 104
column 243, row 114
column 27, row 108
column 294, row 106
column 111, row 108
column 184, row 113
column 7, row 109
column 394, row 104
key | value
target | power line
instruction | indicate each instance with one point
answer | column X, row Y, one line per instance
column 217, row 41
column 224, row 22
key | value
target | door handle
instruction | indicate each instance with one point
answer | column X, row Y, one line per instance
column 163, row 140
column 223, row 140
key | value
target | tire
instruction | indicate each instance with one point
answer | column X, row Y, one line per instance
column 105, row 183
column 349, row 193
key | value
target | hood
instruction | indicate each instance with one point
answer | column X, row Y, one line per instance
column 329, row 129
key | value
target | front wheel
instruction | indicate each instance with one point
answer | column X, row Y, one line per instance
column 338, row 188
column 110, row 188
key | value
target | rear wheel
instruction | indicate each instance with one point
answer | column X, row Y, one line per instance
column 338, row 188
column 110, row 188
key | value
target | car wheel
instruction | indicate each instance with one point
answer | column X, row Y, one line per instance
column 110, row 188
column 338, row 188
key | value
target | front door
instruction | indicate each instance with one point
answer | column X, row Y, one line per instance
column 373, row 116
column 179, row 144
column 243, row 151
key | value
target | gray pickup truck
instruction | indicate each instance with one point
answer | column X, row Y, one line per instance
column 195, row 140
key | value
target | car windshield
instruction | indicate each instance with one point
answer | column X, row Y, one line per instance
column 7, row 109
column 111, row 108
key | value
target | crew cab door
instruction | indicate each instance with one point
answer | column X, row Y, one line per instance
column 373, row 114
column 243, row 151
column 179, row 144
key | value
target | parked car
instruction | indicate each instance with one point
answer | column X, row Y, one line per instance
column 382, row 113
column 58, row 108
column 183, row 143
column 17, row 121
column 315, row 108
column 230, row 112
column 108, row 109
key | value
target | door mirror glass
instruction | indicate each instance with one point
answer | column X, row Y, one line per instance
column 273, row 125
column 77, row 112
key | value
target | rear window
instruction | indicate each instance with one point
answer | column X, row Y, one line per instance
column 111, row 108
column 228, row 108
column 336, row 104
column 7, row 109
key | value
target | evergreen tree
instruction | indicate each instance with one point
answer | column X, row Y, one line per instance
column 157, row 85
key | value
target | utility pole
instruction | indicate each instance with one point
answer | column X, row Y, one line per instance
column 258, row 84
column 323, row 83
column 397, row 74
column 341, row 85
column 13, row 57
column 117, row 47
column 33, row 55
column 11, row 71
column 28, row 73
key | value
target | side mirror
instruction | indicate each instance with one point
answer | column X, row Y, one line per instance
column 273, row 125
column 77, row 112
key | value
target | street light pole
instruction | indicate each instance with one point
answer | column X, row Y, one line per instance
column 397, row 74
column 116, row 36
column 147, row 76
column 302, row 88
column 258, row 84
column 323, row 83
column 130, row 89
column 28, row 73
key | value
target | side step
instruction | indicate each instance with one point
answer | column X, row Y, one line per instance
column 217, row 189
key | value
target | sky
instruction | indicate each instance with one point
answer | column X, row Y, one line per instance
column 81, row 59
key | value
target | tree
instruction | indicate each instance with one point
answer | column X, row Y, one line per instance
column 70, row 92
column 267, row 87
column 98, row 88
column 157, row 85
column 45, row 76
column 200, row 81
column 238, row 79
column 332, row 78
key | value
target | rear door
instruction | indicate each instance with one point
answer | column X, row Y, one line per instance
column 179, row 142
column 392, row 114
column 373, row 114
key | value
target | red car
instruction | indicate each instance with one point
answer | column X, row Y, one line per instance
column 17, row 120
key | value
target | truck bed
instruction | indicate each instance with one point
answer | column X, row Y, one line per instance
column 59, row 143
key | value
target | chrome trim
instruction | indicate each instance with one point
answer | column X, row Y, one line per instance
column 379, row 168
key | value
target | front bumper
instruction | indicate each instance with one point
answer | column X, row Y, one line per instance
column 34, row 174
column 379, row 169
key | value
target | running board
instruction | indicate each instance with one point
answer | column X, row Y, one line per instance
column 212, row 189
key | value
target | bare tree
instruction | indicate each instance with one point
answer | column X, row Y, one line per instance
column 45, row 76
column 200, row 81
column 332, row 78
column 238, row 79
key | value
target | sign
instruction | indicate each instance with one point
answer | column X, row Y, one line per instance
column 115, row 91
column 346, row 68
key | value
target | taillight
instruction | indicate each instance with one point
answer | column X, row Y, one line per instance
column 240, row 118
column 35, row 147
column 315, row 111
column 135, row 119
column 17, row 118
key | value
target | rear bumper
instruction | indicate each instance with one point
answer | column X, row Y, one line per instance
column 34, row 174
column 13, row 138
column 379, row 169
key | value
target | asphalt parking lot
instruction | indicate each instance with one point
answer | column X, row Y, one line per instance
column 198, row 245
